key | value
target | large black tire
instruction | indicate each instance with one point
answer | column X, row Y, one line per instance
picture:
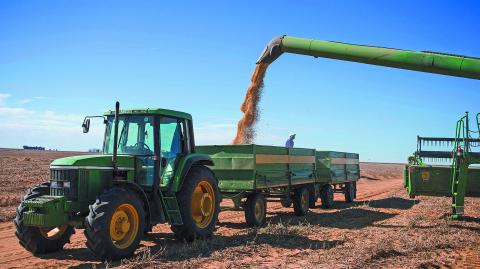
column 286, row 202
column 100, row 239
column 355, row 190
column 301, row 201
column 312, row 196
column 191, row 230
column 35, row 239
column 326, row 195
column 349, row 192
column 256, row 210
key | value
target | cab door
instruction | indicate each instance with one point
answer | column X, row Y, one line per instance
column 172, row 147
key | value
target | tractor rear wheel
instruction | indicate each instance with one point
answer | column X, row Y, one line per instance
column 199, row 203
column 301, row 201
column 115, row 224
column 256, row 210
column 326, row 195
column 40, row 240
column 349, row 192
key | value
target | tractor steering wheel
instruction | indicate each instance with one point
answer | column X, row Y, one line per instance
column 144, row 146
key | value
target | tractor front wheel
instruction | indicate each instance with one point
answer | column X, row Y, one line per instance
column 199, row 203
column 115, row 224
column 40, row 240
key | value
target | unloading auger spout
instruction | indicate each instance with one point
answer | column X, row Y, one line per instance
column 423, row 61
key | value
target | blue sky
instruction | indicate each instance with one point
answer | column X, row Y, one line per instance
column 61, row 60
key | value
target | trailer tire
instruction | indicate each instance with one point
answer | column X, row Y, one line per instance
column 349, row 192
column 256, row 210
column 355, row 190
column 115, row 224
column 286, row 202
column 326, row 195
column 35, row 239
column 199, row 185
column 312, row 196
column 301, row 201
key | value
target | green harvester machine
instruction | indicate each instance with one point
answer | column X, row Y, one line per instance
column 460, row 179
column 150, row 171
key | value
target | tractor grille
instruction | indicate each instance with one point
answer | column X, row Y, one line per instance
column 63, row 182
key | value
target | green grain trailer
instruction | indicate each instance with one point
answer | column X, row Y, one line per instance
column 251, row 174
column 337, row 172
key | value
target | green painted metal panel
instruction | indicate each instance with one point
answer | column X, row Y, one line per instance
column 254, row 167
column 95, row 160
column 177, row 178
column 439, row 63
column 337, row 167
column 437, row 180
column 151, row 111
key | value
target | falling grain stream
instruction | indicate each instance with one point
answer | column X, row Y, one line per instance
column 250, row 107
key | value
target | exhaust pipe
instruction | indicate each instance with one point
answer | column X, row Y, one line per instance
column 115, row 140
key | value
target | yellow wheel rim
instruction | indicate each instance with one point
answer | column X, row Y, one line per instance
column 203, row 204
column 53, row 233
column 124, row 226
column 259, row 210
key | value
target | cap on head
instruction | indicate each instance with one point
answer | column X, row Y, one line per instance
column 292, row 135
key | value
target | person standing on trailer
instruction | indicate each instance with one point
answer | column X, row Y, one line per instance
column 289, row 144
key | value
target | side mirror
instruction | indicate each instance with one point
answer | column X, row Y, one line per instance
column 86, row 125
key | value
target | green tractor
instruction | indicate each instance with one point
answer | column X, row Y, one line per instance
column 148, row 174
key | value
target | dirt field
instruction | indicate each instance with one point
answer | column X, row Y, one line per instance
column 382, row 229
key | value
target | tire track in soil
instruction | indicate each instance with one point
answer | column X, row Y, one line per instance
column 13, row 255
column 469, row 259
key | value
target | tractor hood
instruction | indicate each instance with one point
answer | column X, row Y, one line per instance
column 100, row 161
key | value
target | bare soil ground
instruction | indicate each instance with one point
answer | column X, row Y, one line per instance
column 382, row 229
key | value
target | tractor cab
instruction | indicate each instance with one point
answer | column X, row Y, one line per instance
column 156, row 138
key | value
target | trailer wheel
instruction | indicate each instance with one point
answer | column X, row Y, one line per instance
column 256, row 210
column 40, row 240
column 349, row 192
column 312, row 196
column 115, row 224
column 326, row 195
column 199, row 203
column 355, row 190
column 301, row 201
column 286, row 202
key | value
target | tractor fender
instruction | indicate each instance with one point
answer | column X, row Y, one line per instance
column 139, row 191
column 184, row 166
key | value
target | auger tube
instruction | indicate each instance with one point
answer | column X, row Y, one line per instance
column 423, row 61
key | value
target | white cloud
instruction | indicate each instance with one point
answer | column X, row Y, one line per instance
column 214, row 133
column 21, row 126
column 3, row 98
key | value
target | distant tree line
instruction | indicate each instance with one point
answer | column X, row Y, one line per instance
column 33, row 148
